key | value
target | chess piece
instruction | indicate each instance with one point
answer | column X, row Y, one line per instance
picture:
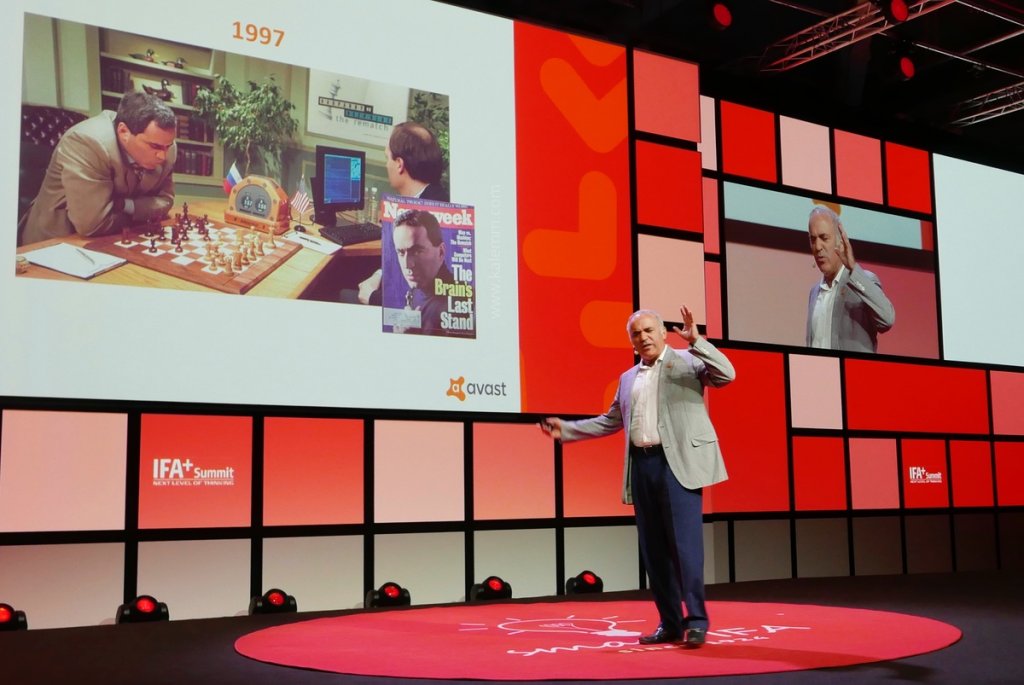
column 126, row 236
column 259, row 248
column 237, row 260
column 227, row 268
column 152, row 246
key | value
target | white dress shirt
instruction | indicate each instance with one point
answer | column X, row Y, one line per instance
column 821, row 320
column 643, row 421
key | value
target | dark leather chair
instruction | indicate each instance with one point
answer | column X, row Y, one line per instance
column 41, row 128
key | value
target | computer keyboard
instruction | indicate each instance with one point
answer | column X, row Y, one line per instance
column 350, row 234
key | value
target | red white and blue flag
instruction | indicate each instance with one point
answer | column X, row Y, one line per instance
column 301, row 201
column 233, row 177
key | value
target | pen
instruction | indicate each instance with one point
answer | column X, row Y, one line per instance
column 83, row 253
column 309, row 240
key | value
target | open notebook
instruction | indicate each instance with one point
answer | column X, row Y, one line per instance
column 74, row 261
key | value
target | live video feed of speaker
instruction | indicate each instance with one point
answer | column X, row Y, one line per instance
column 226, row 266
column 772, row 273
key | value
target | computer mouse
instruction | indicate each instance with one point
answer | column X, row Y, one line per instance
column 299, row 228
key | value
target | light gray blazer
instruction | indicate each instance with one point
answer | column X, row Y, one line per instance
column 689, row 439
column 860, row 313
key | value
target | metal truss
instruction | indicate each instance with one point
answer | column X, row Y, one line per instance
column 835, row 33
column 990, row 105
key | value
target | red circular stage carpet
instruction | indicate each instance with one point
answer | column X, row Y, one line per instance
column 575, row 640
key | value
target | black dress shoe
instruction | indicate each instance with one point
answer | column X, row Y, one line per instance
column 694, row 637
column 660, row 637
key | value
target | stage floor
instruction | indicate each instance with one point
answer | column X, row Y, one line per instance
column 988, row 607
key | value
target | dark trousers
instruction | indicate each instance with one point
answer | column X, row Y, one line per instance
column 669, row 519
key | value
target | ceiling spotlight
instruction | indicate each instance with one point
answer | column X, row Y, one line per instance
column 719, row 15
column 906, row 67
column 894, row 11
column 273, row 601
column 902, row 61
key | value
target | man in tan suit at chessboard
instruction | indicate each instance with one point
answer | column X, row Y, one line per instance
column 107, row 172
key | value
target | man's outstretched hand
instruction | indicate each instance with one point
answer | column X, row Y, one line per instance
column 689, row 330
column 552, row 426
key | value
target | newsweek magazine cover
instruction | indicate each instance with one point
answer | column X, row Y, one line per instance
column 427, row 262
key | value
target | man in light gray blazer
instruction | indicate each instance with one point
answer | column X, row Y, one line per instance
column 671, row 453
column 846, row 309
column 108, row 171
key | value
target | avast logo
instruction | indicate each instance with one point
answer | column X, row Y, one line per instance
column 455, row 389
column 460, row 389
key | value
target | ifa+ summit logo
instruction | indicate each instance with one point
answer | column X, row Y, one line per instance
column 921, row 475
column 460, row 389
column 175, row 472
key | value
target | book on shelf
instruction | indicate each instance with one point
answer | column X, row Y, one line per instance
column 184, row 126
column 194, row 162
column 114, row 78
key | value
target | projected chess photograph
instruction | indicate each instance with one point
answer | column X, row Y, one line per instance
column 169, row 186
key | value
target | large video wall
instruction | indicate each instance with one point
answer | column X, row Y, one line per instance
column 603, row 180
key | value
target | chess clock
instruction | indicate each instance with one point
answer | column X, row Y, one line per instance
column 259, row 202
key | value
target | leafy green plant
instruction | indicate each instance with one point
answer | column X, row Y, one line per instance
column 256, row 124
column 431, row 110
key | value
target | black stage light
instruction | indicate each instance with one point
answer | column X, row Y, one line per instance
column 894, row 11
column 585, row 582
column 142, row 609
column 719, row 15
column 12, row 619
column 273, row 601
column 905, row 66
column 493, row 587
column 388, row 595
column 904, row 62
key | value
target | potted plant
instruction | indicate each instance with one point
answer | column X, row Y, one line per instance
column 431, row 110
column 255, row 124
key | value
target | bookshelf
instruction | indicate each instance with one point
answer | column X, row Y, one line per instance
column 176, row 71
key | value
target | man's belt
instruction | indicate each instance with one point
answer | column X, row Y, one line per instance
column 647, row 451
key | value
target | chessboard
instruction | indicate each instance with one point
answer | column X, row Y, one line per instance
column 200, row 250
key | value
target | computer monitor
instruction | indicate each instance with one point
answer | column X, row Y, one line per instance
column 338, row 184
